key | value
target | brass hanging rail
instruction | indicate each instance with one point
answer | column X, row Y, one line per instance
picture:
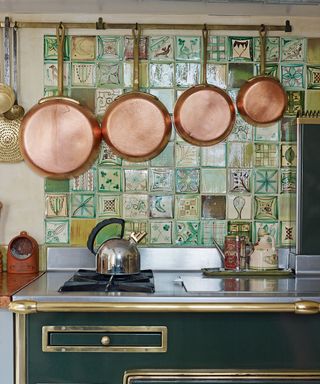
column 101, row 25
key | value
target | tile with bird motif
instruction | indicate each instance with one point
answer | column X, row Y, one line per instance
column 188, row 48
column 161, row 48
column 57, row 231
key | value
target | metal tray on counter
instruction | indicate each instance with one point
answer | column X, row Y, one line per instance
column 216, row 272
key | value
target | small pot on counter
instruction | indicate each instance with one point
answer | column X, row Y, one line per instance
column 116, row 256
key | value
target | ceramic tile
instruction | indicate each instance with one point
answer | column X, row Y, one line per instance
column 272, row 49
column 313, row 50
column 187, row 74
column 239, row 207
column 51, row 48
column 187, row 207
column 239, row 180
column 166, row 96
column 313, row 77
column 239, row 74
column 213, row 207
column 57, row 231
column 109, row 48
column 213, row 180
column 287, row 207
column 187, row 155
column 288, row 129
column 288, row 155
column 217, row 75
column 266, row 207
column 161, row 180
column 217, row 48
column 240, row 48
column 128, row 47
column 187, row 233
column 131, row 164
column 135, row 180
column 240, row 155
column 161, row 206
column 214, row 156
column 165, row 158
column 220, row 230
column 206, row 232
column 53, row 185
column 187, row 180
column 85, row 96
column 161, row 48
column 56, row 205
column 134, row 226
column 109, row 74
column 312, row 100
column 262, row 228
column 104, row 97
column 292, row 76
column 50, row 74
column 269, row 133
column 292, row 49
column 295, row 102
column 161, row 232
column 82, row 205
column 288, row 233
column 266, row 181
column 242, row 131
column 128, row 74
column 240, row 228
column 83, row 74
column 109, row 205
column 48, row 92
column 84, row 182
column 188, row 48
column 109, row 179
column 135, row 206
column 83, row 47
column 161, row 75
column 288, row 180
column 266, row 155
column 106, row 156
column 80, row 231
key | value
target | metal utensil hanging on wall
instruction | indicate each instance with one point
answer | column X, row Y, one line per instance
column 9, row 129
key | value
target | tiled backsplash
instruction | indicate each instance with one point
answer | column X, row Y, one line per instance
column 187, row 195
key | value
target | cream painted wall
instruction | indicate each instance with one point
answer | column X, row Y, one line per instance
column 21, row 190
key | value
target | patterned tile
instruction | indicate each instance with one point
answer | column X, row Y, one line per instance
column 292, row 49
column 109, row 179
column 262, row 228
column 50, row 74
column 188, row 48
column 165, row 158
column 240, row 228
column 161, row 48
column 128, row 47
column 266, row 181
column 269, row 133
column 80, row 231
column 187, row 233
column 287, row 207
column 213, row 207
column 83, row 205
column 288, row 180
column 83, row 74
column 313, row 77
column 217, row 48
column 240, row 155
column 214, row 156
column 161, row 74
column 295, row 102
column 292, row 76
column 57, row 231
column 104, row 97
column 242, row 131
column 266, row 155
column 109, row 48
column 135, row 180
column 187, row 180
column 161, row 206
column 206, row 232
column 213, row 180
column 84, row 182
column 161, row 180
column 187, row 155
column 56, row 205
column 51, row 48
column 135, row 206
column 106, row 156
column 239, row 207
column 161, row 232
column 220, row 230
column 288, row 233
column 266, row 208
column 217, row 75
column 288, row 129
column 109, row 74
column 83, row 47
column 187, row 74
column 272, row 49
column 239, row 180
column 288, row 155
column 187, row 207
column 240, row 48
column 109, row 205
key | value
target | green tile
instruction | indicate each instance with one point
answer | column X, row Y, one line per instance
column 52, row 185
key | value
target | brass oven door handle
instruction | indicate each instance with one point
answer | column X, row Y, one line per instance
column 105, row 340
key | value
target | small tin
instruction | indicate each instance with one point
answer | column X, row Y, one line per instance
column 232, row 252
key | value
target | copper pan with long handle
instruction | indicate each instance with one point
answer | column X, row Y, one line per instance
column 136, row 126
column 204, row 114
column 262, row 100
column 60, row 138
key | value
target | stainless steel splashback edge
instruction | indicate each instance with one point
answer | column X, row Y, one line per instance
column 305, row 264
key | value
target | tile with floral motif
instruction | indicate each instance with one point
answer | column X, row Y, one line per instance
column 109, row 205
column 83, row 74
column 135, row 180
column 239, row 180
column 239, row 207
column 266, row 155
column 187, row 74
column 128, row 47
column 109, row 47
column 217, row 48
column 242, row 131
column 84, row 182
column 239, row 73
column 287, row 207
column 83, row 47
column 50, row 74
column 187, row 207
column 161, row 206
column 187, row 180
column 295, row 102
column 213, row 207
column 187, row 233
column 214, row 156
column 213, row 180
column 165, row 158
column 217, row 75
column 161, row 232
column 313, row 77
column 187, row 155
column 292, row 76
column 288, row 129
column 104, row 97
column 272, row 49
column 135, row 206
column 166, row 96
column 161, row 48
column 263, row 228
column 269, row 133
column 57, row 231
column 161, row 74
column 109, row 74
column 266, row 181
column 288, row 155
column 128, row 74
column 51, row 48
column 293, row 49
column 288, row 180
column 83, row 205
column 188, row 48
column 56, row 205
column 266, row 207
column 109, row 179
column 288, row 233
column 161, row 180
column 240, row 48
column 80, row 231
column 240, row 155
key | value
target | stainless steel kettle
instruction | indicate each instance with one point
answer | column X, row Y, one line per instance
column 116, row 256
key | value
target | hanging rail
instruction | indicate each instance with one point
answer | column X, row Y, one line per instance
column 101, row 25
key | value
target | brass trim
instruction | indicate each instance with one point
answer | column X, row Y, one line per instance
column 308, row 120
column 240, row 375
column 303, row 307
column 106, row 348
column 20, row 349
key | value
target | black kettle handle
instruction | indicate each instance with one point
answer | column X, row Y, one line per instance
column 98, row 228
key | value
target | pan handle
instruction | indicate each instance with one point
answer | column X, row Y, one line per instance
column 97, row 229
column 54, row 98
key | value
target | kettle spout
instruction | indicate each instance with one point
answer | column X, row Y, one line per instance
column 220, row 251
column 137, row 236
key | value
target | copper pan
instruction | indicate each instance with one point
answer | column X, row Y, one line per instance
column 262, row 100
column 136, row 126
column 204, row 114
column 59, row 137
